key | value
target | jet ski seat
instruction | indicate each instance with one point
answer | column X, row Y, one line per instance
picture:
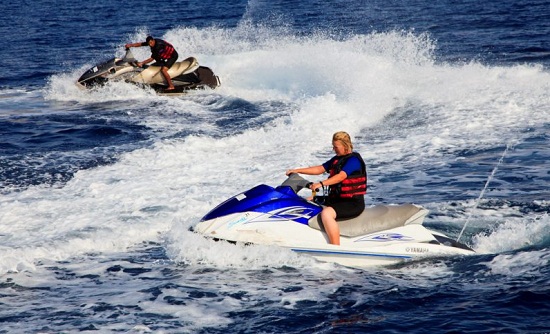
column 375, row 219
column 185, row 66
column 153, row 75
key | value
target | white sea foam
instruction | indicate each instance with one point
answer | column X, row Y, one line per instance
column 521, row 264
column 158, row 192
column 514, row 234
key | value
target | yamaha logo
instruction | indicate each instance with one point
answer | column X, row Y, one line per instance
column 417, row 250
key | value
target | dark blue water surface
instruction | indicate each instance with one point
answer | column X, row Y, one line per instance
column 141, row 281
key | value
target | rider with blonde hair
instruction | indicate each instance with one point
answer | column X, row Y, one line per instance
column 347, row 184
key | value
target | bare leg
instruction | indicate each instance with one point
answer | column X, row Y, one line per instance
column 328, row 216
column 164, row 71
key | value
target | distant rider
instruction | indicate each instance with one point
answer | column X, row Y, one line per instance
column 162, row 52
column 347, row 184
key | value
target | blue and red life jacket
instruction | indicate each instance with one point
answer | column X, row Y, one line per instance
column 354, row 184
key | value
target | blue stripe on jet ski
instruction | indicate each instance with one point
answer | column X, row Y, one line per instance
column 342, row 253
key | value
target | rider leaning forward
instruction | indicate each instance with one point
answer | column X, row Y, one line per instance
column 162, row 52
column 347, row 183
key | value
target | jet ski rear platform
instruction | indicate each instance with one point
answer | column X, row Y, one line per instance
column 199, row 79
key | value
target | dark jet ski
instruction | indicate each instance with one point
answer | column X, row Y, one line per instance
column 186, row 75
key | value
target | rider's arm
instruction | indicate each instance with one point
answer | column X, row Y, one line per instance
column 133, row 45
column 335, row 179
column 146, row 61
column 313, row 170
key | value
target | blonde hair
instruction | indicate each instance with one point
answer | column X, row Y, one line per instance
column 344, row 138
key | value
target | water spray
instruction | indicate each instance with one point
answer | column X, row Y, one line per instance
column 483, row 191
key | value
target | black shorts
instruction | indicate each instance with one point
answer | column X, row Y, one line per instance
column 347, row 208
column 167, row 62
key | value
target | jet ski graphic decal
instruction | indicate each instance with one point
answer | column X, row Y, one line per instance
column 386, row 237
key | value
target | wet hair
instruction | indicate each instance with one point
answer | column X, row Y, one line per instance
column 344, row 138
column 149, row 38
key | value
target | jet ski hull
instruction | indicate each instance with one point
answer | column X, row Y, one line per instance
column 382, row 235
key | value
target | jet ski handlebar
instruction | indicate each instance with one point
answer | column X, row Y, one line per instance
column 297, row 183
column 129, row 57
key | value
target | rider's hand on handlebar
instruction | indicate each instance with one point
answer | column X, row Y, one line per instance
column 315, row 186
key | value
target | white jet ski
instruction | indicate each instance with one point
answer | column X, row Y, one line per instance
column 381, row 235
column 186, row 75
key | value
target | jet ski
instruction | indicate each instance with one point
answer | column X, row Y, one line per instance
column 186, row 75
column 381, row 235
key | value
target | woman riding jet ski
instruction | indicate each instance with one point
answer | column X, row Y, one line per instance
column 161, row 76
column 379, row 235
column 347, row 184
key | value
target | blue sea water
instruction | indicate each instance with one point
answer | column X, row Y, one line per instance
column 447, row 101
